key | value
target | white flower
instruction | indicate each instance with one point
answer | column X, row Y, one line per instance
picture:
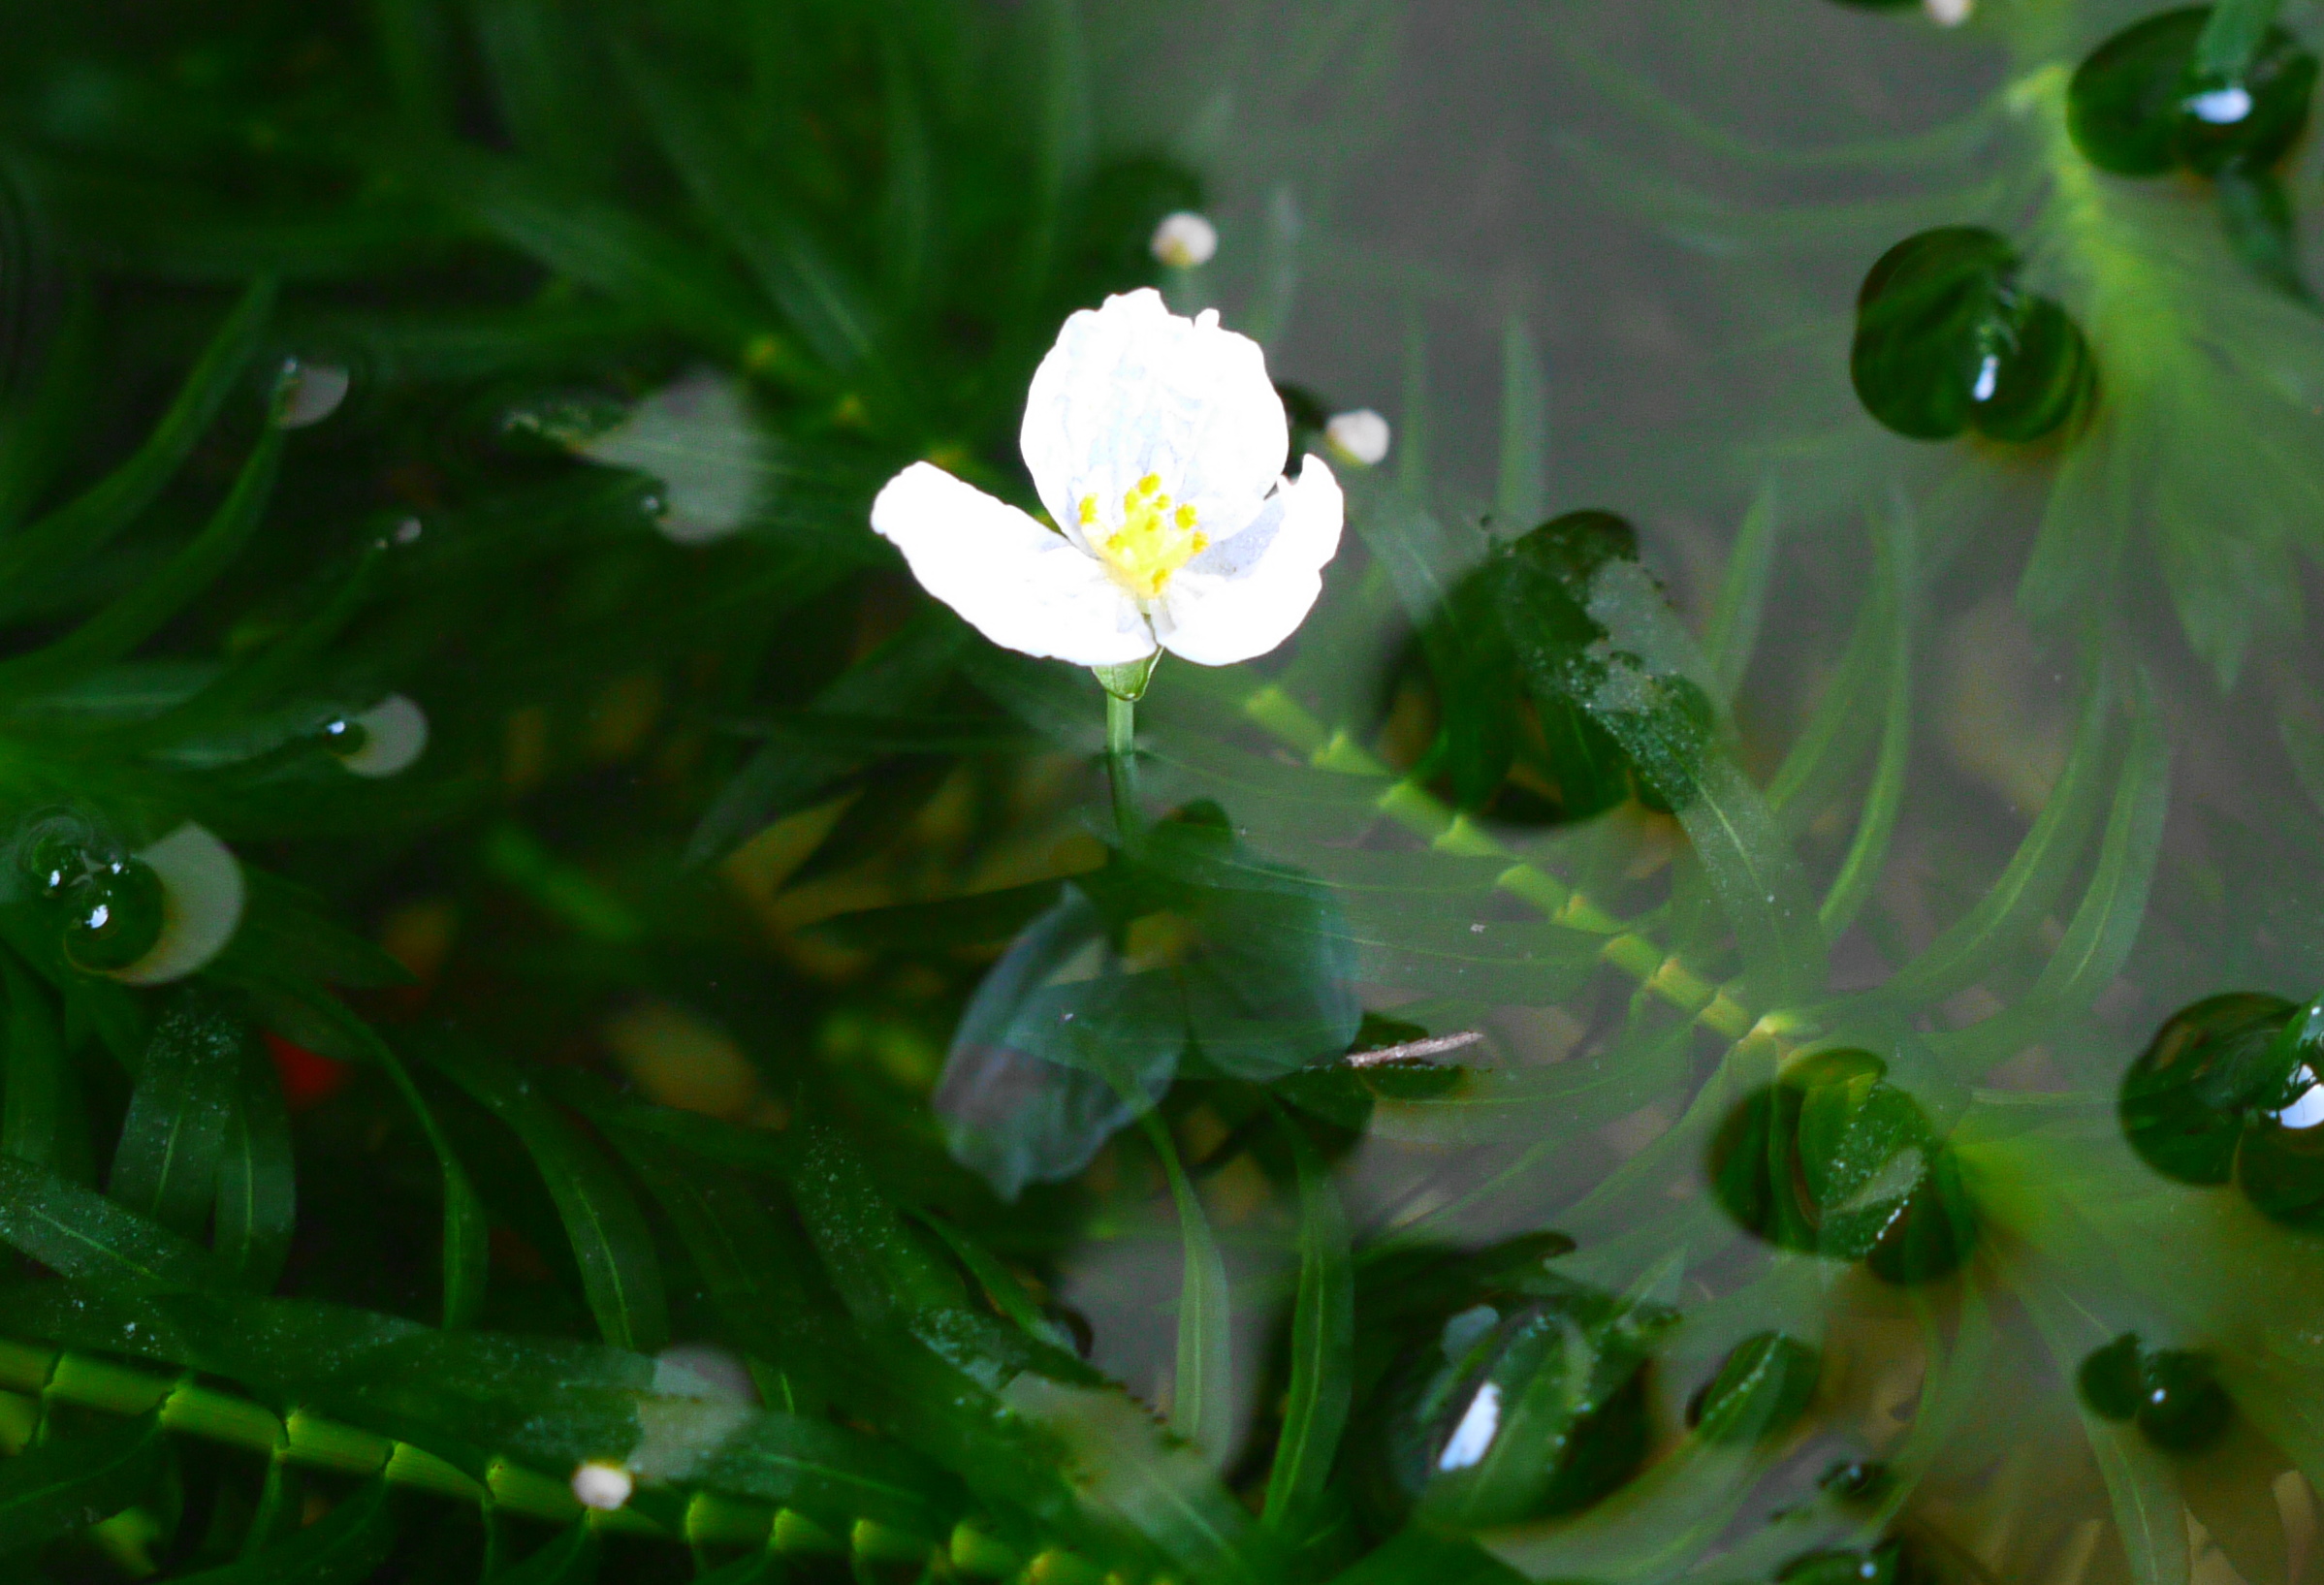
column 1361, row 436
column 1157, row 444
column 1184, row 240
column 1949, row 13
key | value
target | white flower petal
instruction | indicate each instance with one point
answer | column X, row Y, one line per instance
column 1247, row 593
column 1012, row 580
column 1131, row 390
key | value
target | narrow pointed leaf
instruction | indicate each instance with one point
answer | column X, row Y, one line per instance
column 620, row 1273
column 345, row 1546
column 166, row 1166
column 1323, row 1347
column 82, row 1235
column 86, row 524
column 257, row 1194
column 74, row 1481
column 1202, row 1387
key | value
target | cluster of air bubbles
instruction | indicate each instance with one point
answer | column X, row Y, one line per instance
column 146, row 918
column 383, row 740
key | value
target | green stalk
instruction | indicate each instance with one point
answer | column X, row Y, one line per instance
column 307, row 1441
column 1120, row 761
column 1421, row 813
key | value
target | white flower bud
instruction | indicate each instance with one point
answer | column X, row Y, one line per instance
column 1361, row 436
column 1184, row 240
column 602, row 1486
column 1949, row 13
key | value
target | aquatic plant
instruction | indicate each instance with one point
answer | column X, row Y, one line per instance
column 1725, row 991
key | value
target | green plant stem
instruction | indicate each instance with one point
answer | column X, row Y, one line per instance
column 189, row 1408
column 1120, row 761
column 1419, row 811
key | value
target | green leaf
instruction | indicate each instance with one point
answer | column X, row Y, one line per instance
column 344, row 1547
column 287, row 931
column 1323, row 1348
column 42, row 1087
column 2030, row 886
column 998, row 1283
column 2229, row 41
column 1734, row 624
column 793, row 270
column 82, row 1235
column 1202, row 1386
column 467, row 1252
column 611, row 1244
column 759, row 1272
column 166, row 1166
column 1861, row 871
column 544, row 86
column 599, row 244
column 1424, row 1557
column 900, row 677
column 40, row 552
column 257, row 1198
column 71, row 1482
column 571, row 1559
column 2106, row 924
column 139, row 613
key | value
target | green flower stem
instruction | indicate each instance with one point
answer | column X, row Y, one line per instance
column 33, row 1376
column 1121, row 760
column 1715, row 1007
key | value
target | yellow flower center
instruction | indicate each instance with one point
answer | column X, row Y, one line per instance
column 1155, row 540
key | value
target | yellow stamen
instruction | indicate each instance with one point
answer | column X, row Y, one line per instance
column 1157, row 537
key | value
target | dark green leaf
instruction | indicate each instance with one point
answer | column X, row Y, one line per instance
column 344, row 1547
column 72, row 1482
column 611, row 1241
column 1323, row 1344
column 45, row 547
column 257, row 1200
column 166, row 1166
column 82, row 1235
